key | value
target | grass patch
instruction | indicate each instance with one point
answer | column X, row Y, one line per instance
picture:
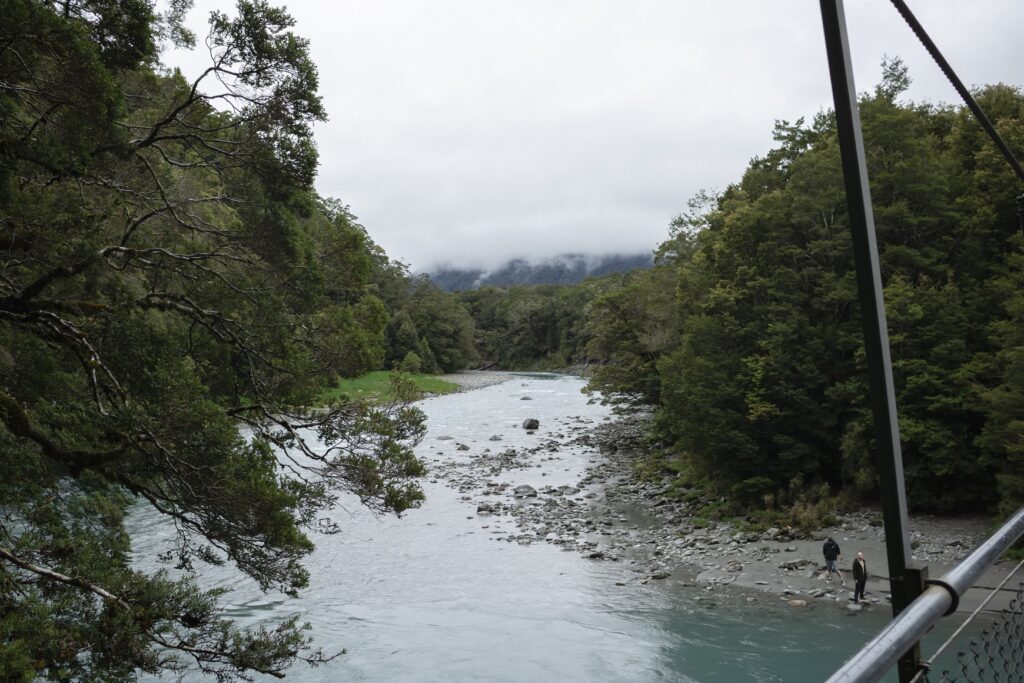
column 376, row 386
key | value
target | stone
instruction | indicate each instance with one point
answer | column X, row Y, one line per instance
column 796, row 603
column 794, row 564
column 524, row 491
column 531, row 423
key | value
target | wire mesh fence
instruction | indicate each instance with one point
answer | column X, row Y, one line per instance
column 996, row 655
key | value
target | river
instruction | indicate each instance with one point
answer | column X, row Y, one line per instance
column 442, row 595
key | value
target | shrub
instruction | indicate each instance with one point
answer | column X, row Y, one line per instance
column 412, row 363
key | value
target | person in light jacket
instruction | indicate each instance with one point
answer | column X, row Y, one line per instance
column 860, row 577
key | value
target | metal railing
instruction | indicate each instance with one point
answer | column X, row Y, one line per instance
column 941, row 598
column 998, row 654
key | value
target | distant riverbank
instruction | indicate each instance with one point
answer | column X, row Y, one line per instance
column 468, row 380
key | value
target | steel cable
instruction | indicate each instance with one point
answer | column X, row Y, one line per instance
column 968, row 99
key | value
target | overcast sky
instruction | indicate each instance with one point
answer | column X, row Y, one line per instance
column 474, row 131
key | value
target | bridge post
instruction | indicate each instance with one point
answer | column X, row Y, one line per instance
column 905, row 583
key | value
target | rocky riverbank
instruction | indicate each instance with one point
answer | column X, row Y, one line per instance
column 783, row 561
column 468, row 380
column 608, row 515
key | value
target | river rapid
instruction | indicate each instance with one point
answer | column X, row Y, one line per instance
column 447, row 594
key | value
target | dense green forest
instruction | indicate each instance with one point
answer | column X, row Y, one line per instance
column 169, row 274
column 746, row 338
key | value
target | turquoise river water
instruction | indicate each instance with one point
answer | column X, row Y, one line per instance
column 434, row 596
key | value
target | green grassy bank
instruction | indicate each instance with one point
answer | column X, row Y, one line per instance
column 377, row 386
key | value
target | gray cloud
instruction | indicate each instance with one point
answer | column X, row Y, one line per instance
column 472, row 131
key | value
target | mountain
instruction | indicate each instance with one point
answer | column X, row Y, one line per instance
column 565, row 269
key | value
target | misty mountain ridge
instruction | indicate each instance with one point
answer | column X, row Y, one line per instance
column 565, row 269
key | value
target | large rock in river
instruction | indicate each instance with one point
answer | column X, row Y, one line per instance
column 531, row 423
column 524, row 491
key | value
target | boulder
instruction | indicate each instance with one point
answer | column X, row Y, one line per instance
column 524, row 491
column 531, row 423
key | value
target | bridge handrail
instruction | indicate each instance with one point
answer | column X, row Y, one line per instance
column 881, row 653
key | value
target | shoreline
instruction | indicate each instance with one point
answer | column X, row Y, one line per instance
column 784, row 562
column 610, row 516
column 469, row 380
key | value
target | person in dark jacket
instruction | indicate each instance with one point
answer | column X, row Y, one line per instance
column 832, row 554
column 860, row 577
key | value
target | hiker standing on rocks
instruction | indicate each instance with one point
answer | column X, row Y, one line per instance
column 860, row 577
column 832, row 553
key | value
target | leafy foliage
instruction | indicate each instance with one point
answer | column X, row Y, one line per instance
column 753, row 352
column 168, row 276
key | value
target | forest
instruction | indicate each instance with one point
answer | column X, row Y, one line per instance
column 175, row 297
column 745, row 336
column 170, row 276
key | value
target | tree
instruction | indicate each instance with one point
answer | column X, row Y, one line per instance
column 444, row 326
column 159, row 289
column 631, row 326
column 765, row 395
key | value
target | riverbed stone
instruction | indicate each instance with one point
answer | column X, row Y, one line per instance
column 531, row 423
column 524, row 491
column 794, row 564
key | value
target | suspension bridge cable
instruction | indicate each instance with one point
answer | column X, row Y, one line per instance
column 933, row 50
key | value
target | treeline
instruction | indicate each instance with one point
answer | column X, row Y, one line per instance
column 169, row 274
column 540, row 327
column 747, row 338
column 569, row 327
